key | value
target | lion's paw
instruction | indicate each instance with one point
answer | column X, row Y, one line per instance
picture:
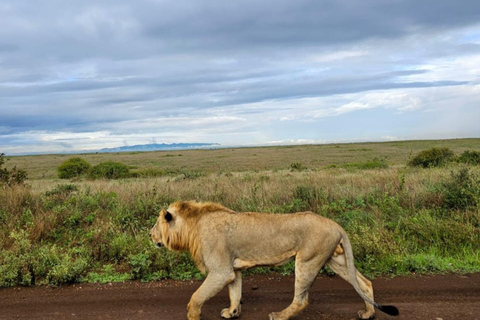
column 366, row 315
column 193, row 317
column 275, row 316
column 192, row 312
column 226, row 314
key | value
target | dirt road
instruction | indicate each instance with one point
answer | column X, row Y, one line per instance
column 436, row 297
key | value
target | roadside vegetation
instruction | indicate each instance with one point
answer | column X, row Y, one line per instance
column 402, row 219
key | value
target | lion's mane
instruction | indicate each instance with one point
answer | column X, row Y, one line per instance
column 184, row 236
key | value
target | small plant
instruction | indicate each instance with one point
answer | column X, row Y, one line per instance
column 140, row 264
column 69, row 269
column 375, row 163
column 73, row 168
column 109, row 170
column 62, row 190
column 11, row 177
column 107, row 275
column 434, row 157
column 149, row 172
column 297, row 166
column 469, row 157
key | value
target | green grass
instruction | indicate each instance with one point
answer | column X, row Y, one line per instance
column 401, row 220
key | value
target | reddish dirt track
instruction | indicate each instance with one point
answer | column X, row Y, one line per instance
column 433, row 297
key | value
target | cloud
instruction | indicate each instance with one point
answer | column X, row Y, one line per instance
column 233, row 72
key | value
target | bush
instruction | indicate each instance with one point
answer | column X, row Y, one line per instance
column 297, row 166
column 72, row 168
column 109, row 170
column 463, row 190
column 11, row 177
column 107, row 275
column 140, row 264
column 69, row 269
column 434, row 157
column 62, row 190
column 470, row 157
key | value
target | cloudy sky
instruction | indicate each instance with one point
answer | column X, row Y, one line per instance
column 85, row 75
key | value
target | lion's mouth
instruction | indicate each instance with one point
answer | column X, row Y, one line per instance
column 159, row 244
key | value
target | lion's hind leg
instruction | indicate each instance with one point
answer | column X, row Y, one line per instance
column 235, row 293
column 305, row 274
column 338, row 264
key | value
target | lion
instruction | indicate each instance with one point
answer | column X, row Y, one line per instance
column 223, row 242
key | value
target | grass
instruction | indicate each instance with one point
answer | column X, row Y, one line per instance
column 247, row 159
column 401, row 220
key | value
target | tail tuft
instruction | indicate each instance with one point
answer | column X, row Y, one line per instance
column 390, row 310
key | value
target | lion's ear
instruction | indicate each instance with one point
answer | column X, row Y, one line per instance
column 168, row 217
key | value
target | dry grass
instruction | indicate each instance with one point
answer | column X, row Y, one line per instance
column 270, row 188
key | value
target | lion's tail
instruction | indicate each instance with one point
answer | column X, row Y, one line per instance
column 347, row 247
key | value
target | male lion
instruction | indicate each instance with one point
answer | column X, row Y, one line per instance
column 223, row 242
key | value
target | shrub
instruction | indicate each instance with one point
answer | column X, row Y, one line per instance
column 470, row 157
column 297, row 166
column 434, row 157
column 140, row 264
column 463, row 190
column 72, row 168
column 62, row 190
column 11, row 177
column 107, row 275
column 109, row 170
column 69, row 269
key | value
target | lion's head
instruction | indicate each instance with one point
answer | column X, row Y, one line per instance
column 176, row 226
column 156, row 231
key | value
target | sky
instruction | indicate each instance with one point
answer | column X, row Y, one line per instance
column 85, row 75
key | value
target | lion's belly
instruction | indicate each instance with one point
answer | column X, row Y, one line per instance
column 273, row 244
column 239, row 264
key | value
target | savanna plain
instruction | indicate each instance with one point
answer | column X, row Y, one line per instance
column 402, row 219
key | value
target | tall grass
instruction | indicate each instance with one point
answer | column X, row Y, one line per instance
column 401, row 220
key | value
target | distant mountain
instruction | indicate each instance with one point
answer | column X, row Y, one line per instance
column 161, row 146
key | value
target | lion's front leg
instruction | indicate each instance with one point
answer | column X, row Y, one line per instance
column 210, row 287
column 235, row 293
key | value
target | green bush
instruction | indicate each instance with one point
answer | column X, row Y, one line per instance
column 462, row 190
column 109, row 170
column 140, row 264
column 72, row 168
column 69, row 269
column 108, row 274
column 11, row 177
column 62, row 190
column 297, row 166
column 469, row 157
column 434, row 157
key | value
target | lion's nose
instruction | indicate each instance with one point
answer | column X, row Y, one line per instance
column 159, row 244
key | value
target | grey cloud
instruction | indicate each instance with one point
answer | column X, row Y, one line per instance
column 89, row 65
column 229, row 25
